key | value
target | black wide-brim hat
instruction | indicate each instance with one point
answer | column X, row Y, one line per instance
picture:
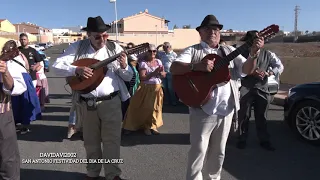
column 210, row 20
column 250, row 35
column 96, row 24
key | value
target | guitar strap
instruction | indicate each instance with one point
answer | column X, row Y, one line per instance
column 223, row 52
column 16, row 61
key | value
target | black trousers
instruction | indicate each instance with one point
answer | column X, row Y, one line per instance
column 9, row 151
column 124, row 107
column 260, row 101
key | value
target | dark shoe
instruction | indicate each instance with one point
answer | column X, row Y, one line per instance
column 126, row 132
column 147, row 132
column 155, row 132
column 267, row 146
column 25, row 130
column 92, row 178
column 117, row 178
column 241, row 145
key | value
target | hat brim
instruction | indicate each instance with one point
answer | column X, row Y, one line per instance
column 103, row 29
column 220, row 26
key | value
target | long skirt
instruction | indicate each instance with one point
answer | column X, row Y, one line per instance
column 26, row 107
column 43, row 91
column 145, row 108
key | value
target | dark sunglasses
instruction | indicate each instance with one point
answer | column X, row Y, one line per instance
column 152, row 51
column 167, row 46
column 105, row 36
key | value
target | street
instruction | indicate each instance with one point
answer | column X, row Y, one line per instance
column 163, row 157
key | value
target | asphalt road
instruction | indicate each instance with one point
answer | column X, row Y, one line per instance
column 164, row 157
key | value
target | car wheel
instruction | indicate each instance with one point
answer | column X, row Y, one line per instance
column 306, row 121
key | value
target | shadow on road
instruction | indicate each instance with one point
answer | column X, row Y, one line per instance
column 179, row 109
column 43, row 133
column 59, row 96
column 54, row 109
column 46, row 117
column 35, row 174
column 138, row 138
column 292, row 160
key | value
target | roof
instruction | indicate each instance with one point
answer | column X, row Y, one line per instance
column 30, row 25
column 2, row 20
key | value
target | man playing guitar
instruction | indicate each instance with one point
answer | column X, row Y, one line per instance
column 100, row 110
column 210, row 124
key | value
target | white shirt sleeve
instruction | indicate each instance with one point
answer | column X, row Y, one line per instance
column 238, row 62
column 185, row 56
column 19, row 85
column 62, row 66
column 276, row 64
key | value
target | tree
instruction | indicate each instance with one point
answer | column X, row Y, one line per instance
column 175, row 27
column 186, row 27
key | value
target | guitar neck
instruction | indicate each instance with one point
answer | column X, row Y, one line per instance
column 138, row 50
column 225, row 61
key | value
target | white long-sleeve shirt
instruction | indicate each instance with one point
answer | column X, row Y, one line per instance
column 16, row 70
column 112, row 80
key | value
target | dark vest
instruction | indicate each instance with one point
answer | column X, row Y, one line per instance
column 251, row 81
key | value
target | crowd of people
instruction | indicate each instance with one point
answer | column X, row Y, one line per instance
column 133, row 92
column 23, row 95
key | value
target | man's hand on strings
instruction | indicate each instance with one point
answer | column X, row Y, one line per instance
column 84, row 72
column 123, row 60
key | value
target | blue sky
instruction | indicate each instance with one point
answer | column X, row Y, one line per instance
column 234, row 14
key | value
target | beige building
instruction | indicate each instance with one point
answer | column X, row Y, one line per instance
column 6, row 26
column 8, row 32
column 141, row 23
column 43, row 35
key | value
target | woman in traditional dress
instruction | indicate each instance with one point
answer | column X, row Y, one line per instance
column 25, row 107
column 145, row 108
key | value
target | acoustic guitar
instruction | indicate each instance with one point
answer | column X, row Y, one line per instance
column 194, row 88
column 84, row 86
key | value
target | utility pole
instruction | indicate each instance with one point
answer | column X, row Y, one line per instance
column 296, row 13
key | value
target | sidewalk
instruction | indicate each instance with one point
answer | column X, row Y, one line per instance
column 282, row 94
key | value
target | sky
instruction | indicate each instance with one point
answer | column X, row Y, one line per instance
column 233, row 14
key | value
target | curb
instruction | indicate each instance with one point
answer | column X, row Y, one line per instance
column 278, row 100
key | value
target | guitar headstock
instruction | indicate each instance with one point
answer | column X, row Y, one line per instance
column 8, row 55
column 267, row 33
column 138, row 49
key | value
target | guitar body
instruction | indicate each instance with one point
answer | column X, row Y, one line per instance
column 82, row 85
column 194, row 88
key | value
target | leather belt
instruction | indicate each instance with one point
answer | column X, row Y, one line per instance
column 103, row 98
